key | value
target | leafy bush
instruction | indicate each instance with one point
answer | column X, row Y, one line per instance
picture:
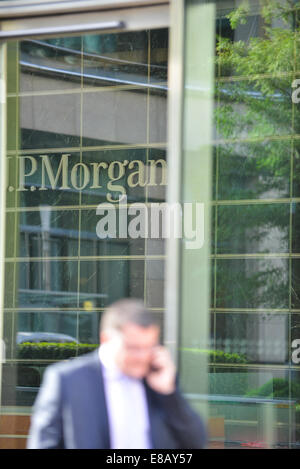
column 62, row 351
column 276, row 388
column 218, row 356
column 52, row 351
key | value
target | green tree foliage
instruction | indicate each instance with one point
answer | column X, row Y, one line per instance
column 257, row 151
column 277, row 388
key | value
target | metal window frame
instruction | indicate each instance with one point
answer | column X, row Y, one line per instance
column 23, row 8
column 3, row 52
column 175, row 126
column 78, row 17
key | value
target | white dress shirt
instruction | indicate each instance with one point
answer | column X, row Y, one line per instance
column 127, row 407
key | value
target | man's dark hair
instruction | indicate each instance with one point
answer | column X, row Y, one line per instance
column 128, row 310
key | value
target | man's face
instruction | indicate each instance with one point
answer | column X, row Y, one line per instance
column 135, row 350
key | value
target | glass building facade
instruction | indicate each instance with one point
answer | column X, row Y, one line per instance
column 200, row 105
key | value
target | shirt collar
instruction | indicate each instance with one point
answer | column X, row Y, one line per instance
column 110, row 368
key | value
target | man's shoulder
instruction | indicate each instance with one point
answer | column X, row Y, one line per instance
column 89, row 361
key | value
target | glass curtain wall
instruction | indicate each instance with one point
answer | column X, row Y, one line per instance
column 86, row 125
column 254, row 381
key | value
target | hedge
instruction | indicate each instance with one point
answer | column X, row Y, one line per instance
column 62, row 351
column 52, row 351
column 217, row 356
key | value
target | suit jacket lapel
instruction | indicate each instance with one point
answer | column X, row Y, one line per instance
column 161, row 434
column 158, row 429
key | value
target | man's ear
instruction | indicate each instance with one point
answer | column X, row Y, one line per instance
column 106, row 336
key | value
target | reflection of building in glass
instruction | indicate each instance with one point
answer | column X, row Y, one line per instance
column 92, row 128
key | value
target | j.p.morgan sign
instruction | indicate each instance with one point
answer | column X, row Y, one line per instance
column 112, row 176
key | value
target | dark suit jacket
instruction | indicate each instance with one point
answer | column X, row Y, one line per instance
column 70, row 411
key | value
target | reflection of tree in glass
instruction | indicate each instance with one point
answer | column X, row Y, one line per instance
column 256, row 124
column 254, row 96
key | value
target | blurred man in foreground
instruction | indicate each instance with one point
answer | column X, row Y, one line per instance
column 123, row 396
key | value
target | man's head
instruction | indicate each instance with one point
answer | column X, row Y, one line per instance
column 133, row 332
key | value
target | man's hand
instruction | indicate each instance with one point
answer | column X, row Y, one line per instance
column 161, row 377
